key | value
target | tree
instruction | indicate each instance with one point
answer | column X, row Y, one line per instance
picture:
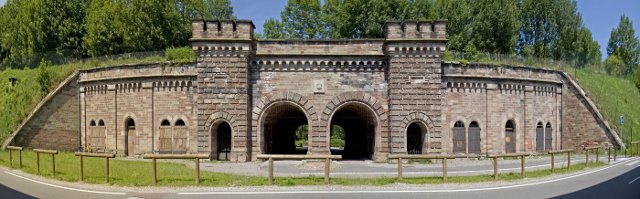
column 587, row 49
column 613, row 65
column 272, row 29
column 218, row 9
column 495, row 26
column 624, row 45
column 302, row 19
column 459, row 16
column 44, row 78
column 636, row 79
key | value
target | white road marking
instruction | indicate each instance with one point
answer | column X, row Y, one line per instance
column 396, row 191
column 634, row 180
column 632, row 163
column 559, row 164
column 67, row 188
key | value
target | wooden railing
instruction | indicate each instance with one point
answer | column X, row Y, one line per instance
column 106, row 156
column 15, row 148
column 402, row 157
column 196, row 157
column 553, row 162
column 327, row 162
column 53, row 159
column 522, row 163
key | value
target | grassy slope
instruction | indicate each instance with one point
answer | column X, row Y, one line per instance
column 138, row 173
column 613, row 96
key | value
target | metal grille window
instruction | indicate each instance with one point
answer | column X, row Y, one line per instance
column 509, row 137
column 474, row 137
column 539, row 137
column 548, row 136
column 459, row 138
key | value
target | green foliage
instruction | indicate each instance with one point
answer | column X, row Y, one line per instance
column 625, row 46
column 636, row 79
column 302, row 19
column 180, row 54
column 273, row 29
column 613, row 65
column 218, row 9
column 302, row 137
column 337, row 136
column 495, row 25
column 44, row 77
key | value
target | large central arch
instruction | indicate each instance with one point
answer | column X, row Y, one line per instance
column 359, row 123
column 278, row 127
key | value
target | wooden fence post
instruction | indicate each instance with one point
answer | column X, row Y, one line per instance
column 399, row 168
column 495, row 168
column 10, row 158
column 444, row 169
column 155, row 175
column 38, row 162
column 106, row 176
column 568, row 160
column 597, row 154
column 553, row 162
column 522, row 172
column 587, row 162
column 271, row 170
column 20, row 156
column 53, row 164
column 327, row 168
column 198, row 171
column 81, row 169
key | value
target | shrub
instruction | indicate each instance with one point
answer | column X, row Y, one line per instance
column 44, row 76
column 180, row 54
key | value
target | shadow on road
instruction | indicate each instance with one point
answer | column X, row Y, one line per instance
column 619, row 187
column 7, row 192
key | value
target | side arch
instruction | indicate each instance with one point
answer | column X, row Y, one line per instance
column 423, row 121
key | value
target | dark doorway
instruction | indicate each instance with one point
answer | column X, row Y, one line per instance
column 279, row 127
column 474, row 137
column 509, row 137
column 459, row 138
column 359, row 125
column 539, row 137
column 223, row 141
column 130, row 137
column 415, row 138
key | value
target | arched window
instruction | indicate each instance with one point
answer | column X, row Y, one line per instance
column 474, row 137
column 510, row 137
column 539, row 137
column 459, row 138
column 92, row 123
column 165, row 122
column 180, row 122
column 100, row 123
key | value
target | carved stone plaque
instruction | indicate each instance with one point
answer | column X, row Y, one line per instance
column 318, row 86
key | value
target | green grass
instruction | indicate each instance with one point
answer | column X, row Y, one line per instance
column 17, row 102
column 613, row 96
column 138, row 173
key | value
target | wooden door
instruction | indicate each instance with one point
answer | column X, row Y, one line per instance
column 131, row 141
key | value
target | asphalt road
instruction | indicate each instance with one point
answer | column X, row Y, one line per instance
column 620, row 180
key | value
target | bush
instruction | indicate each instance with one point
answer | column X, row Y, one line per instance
column 180, row 54
column 44, row 77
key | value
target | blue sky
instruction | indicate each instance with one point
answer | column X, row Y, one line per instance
column 600, row 16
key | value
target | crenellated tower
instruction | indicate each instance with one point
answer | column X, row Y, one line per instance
column 415, row 96
column 223, row 48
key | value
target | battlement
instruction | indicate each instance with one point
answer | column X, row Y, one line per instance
column 222, row 30
column 416, row 30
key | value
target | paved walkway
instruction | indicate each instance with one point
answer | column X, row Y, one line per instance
column 364, row 169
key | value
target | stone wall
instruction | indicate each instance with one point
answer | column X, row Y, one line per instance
column 146, row 94
column 54, row 122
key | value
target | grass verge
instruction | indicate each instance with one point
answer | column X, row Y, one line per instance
column 138, row 173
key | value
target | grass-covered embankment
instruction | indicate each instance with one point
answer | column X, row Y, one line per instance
column 138, row 173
